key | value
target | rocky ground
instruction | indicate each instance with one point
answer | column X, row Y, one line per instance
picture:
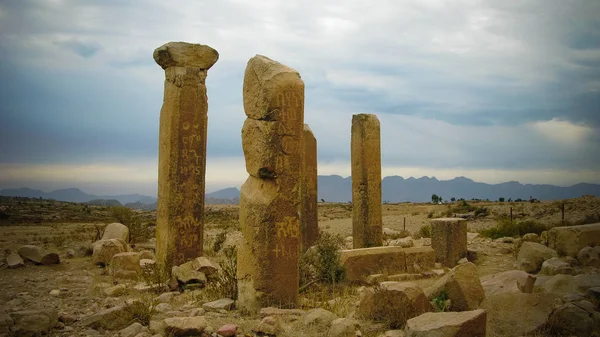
column 524, row 286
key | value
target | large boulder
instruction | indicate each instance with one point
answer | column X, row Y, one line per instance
column 572, row 319
column 511, row 281
column 517, row 314
column 108, row 319
column 116, row 231
column 462, row 286
column 569, row 240
column 393, row 302
column 362, row 262
column 589, row 256
column 532, row 255
column 448, row 324
column 559, row 284
column 343, row 327
column 318, row 317
column 125, row 265
column 104, row 250
column 38, row 255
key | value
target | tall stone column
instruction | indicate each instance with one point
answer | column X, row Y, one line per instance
column 182, row 151
column 270, row 199
column 366, row 181
column 309, row 216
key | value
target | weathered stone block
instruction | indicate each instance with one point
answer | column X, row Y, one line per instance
column 449, row 240
column 419, row 259
column 116, row 230
column 309, row 224
column 569, row 240
column 366, row 181
column 448, row 324
column 182, row 151
column 362, row 262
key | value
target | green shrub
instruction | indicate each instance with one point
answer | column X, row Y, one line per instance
column 137, row 231
column 219, row 241
column 430, row 214
column 225, row 284
column 440, row 303
column 321, row 263
column 517, row 228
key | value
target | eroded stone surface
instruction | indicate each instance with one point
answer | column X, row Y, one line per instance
column 448, row 324
column 360, row 263
column 182, row 151
column 569, row 240
column 309, row 216
column 449, row 240
column 270, row 198
column 366, row 181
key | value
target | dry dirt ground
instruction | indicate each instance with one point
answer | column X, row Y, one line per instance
column 63, row 227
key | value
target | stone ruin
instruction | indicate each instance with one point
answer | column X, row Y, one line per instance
column 270, row 198
column 182, row 151
column 278, row 201
column 366, row 181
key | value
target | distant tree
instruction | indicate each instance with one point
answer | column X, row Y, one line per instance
column 435, row 199
column 322, row 200
column 453, row 199
column 501, row 199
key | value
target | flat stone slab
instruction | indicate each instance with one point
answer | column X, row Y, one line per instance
column 448, row 324
column 362, row 262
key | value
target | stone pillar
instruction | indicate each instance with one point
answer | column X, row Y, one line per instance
column 366, row 181
column 309, row 216
column 268, row 255
column 449, row 240
column 182, row 151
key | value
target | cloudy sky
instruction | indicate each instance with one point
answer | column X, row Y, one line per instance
column 491, row 90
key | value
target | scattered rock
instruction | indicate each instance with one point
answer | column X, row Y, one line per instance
column 227, row 330
column 532, row 255
column 13, row 260
column 462, row 286
column 472, row 236
column 587, row 281
column 556, row 266
column 390, row 232
column 67, row 319
column 511, row 281
column 163, row 307
column 104, row 250
column 268, row 325
column 70, row 254
column 108, row 319
column 343, row 327
column 184, row 326
column 448, row 324
column 54, row 292
column 406, row 242
column 203, row 265
column 318, row 317
column 394, row 302
column 589, row 256
column 38, row 255
column 125, row 265
column 393, row 333
column 166, row 297
column 33, row 322
column 133, row 330
column 375, row 278
column 221, row 304
column 116, row 231
column 186, row 274
column 472, row 255
column 531, row 237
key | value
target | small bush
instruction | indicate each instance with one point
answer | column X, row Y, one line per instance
column 517, row 228
column 321, row 263
column 129, row 218
column 430, row 214
column 155, row 275
column 440, row 303
column 423, row 232
column 225, row 284
column 219, row 241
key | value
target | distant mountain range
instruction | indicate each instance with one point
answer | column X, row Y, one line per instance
column 335, row 188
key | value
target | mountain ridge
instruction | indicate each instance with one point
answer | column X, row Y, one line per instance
column 335, row 188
